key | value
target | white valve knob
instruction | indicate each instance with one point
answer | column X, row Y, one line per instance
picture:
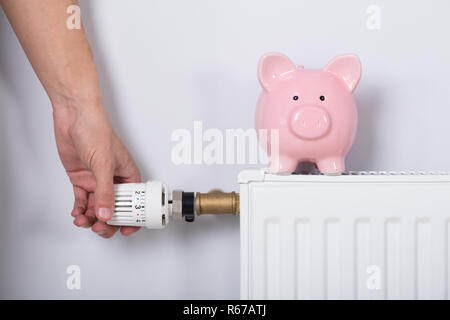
column 141, row 205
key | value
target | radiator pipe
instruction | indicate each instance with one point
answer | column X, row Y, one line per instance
column 217, row 202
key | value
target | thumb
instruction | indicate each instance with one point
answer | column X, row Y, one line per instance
column 104, row 191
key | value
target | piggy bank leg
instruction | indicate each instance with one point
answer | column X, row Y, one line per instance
column 331, row 166
column 282, row 165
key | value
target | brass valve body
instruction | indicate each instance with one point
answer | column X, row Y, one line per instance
column 216, row 202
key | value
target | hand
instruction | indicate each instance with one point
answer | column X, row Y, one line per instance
column 94, row 159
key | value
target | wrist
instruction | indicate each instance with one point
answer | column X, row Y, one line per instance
column 70, row 110
column 78, row 101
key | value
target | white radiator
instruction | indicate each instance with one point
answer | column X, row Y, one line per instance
column 355, row 236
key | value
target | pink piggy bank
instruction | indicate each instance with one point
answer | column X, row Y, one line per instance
column 313, row 111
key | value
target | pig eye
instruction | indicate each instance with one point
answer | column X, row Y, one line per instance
column 295, row 98
column 322, row 98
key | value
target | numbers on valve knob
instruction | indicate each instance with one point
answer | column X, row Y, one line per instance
column 138, row 204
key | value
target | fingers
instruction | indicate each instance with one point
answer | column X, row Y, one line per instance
column 80, row 207
column 104, row 190
column 87, row 217
column 126, row 231
column 81, row 201
column 99, row 227
column 104, row 230
column 84, row 221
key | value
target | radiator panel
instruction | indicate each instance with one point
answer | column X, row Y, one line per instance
column 346, row 237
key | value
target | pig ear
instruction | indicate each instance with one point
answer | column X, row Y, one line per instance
column 273, row 67
column 347, row 68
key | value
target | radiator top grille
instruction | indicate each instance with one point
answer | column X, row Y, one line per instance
column 260, row 175
column 390, row 173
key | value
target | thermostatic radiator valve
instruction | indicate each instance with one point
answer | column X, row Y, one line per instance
column 151, row 204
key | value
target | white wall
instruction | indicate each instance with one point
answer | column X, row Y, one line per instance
column 164, row 64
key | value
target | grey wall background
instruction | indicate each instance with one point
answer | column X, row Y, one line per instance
column 164, row 64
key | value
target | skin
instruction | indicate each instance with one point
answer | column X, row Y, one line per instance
column 93, row 155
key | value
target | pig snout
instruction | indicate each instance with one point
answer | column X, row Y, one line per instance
column 309, row 122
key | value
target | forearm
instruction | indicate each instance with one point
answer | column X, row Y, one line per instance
column 61, row 57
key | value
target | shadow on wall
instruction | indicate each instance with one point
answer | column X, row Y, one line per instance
column 362, row 153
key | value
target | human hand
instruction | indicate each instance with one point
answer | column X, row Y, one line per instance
column 94, row 159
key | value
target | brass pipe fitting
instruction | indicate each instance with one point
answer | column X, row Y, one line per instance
column 216, row 202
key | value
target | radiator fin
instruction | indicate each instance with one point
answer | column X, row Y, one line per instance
column 423, row 259
column 333, row 259
column 362, row 253
column 356, row 264
column 393, row 259
column 303, row 261
column 273, row 259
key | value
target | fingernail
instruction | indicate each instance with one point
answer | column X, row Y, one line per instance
column 104, row 213
column 101, row 233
